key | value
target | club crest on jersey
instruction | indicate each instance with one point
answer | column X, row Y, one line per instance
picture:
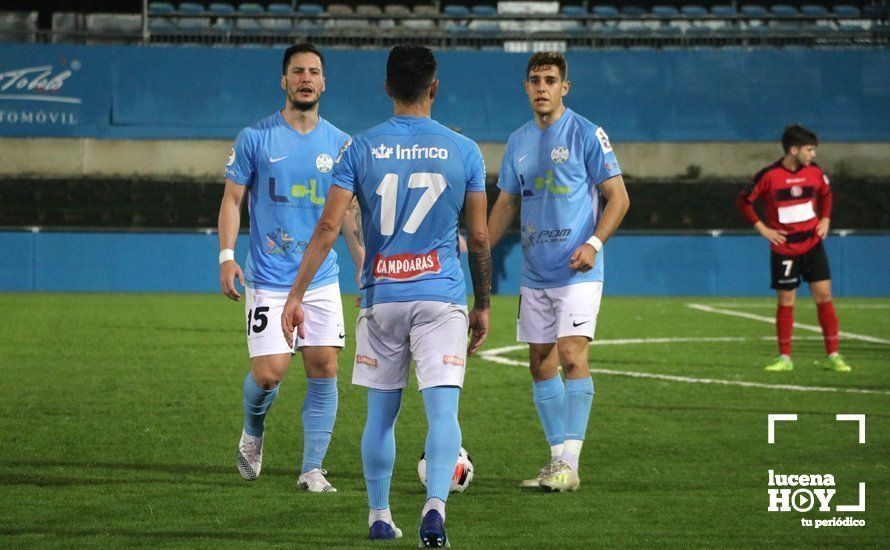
column 231, row 160
column 404, row 267
column 324, row 163
column 559, row 154
column 796, row 191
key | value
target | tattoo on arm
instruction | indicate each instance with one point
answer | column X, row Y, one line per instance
column 480, row 273
column 358, row 222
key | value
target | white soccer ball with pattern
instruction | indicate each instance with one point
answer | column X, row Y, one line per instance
column 463, row 471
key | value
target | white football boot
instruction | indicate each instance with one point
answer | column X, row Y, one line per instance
column 250, row 456
column 544, row 472
column 315, row 482
column 562, row 477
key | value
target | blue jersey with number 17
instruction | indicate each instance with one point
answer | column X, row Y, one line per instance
column 410, row 176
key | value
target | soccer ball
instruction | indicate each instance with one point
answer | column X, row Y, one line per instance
column 463, row 471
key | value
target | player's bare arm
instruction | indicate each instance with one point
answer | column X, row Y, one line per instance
column 617, row 204
column 502, row 214
column 352, row 234
column 227, row 226
column 823, row 227
column 323, row 238
column 480, row 267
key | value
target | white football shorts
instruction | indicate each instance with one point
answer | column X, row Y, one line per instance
column 323, row 326
column 389, row 335
column 546, row 314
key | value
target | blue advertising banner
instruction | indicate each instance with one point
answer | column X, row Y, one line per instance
column 636, row 265
column 169, row 92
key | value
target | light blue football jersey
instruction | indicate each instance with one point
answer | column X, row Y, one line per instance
column 410, row 176
column 288, row 175
column 557, row 171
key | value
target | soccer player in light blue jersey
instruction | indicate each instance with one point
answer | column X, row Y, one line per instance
column 284, row 164
column 412, row 177
column 557, row 172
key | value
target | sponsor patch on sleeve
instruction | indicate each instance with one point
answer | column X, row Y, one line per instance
column 343, row 149
column 604, row 140
column 825, row 177
column 231, row 160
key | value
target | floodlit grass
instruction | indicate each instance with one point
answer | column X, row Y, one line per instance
column 120, row 415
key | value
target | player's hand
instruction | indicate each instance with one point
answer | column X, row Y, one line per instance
column 774, row 236
column 822, row 228
column 228, row 272
column 583, row 258
column 292, row 318
column 479, row 324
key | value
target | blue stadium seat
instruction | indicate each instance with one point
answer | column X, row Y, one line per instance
column 160, row 25
column 221, row 8
column 310, row 9
column 160, row 8
column 487, row 27
column 753, row 11
column 664, row 12
column 813, row 10
column 633, row 11
column 190, row 8
column 723, row 10
column 457, row 11
column 457, row 29
column 279, row 9
column 250, row 8
column 693, row 12
column 573, row 11
column 699, row 31
column 485, row 10
column 846, row 10
column 784, row 10
column 606, row 11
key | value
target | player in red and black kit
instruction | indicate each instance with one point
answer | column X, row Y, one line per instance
column 797, row 200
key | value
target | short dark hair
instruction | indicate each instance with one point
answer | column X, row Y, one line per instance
column 300, row 48
column 410, row 70
column 542, row 59
column 798, row 136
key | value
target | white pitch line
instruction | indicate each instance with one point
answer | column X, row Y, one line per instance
column 493, row 355
column 810, row 305
column 772, row 320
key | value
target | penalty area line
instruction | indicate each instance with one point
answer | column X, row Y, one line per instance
column 772, row 320
column 494, row 356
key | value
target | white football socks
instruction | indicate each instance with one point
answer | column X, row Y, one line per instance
column 436, row 504
column 556, row 451
column 571, row 452
column 377, row 515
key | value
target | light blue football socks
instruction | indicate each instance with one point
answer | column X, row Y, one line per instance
column 579, row 398
column 443, row 439
column 256, row 404
column 379, row 445
column 318, row 415
column 550, row 401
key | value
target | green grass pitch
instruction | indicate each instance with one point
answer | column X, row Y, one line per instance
column 120, row 414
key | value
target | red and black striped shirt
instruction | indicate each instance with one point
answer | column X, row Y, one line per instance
column 794, row 202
